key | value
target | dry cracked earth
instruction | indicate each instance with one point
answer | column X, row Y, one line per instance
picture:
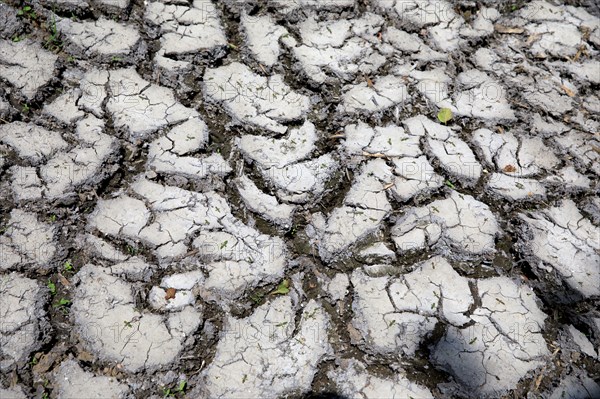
column 257, row 199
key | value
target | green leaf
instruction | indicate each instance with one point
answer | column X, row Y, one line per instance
column 27, row 8
column 181, row 386
column 282, row 288
column 62, row 302
column 52, row 287
column 444, row 115
column 449, row 184
column 68, row 265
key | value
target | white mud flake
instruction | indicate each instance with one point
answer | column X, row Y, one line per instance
column 301, row 182
column 26, row 242
column 336, row 288
column 71, row 381
column 287, row 6
column 454, row 155
column 173, row 153
column 26, row 65
column 251, row 98
column 569, row 178
column 34, row 143
column 353, row 380
column 286, row 163
column 22, row 314
column 343, row 48
column 123, row 215
column 503, row 344
column 377, row 252
column 564, row 241
column 264, row 204
column 395, row 314
column 176, row 214
column 460, row 222
column 582, row 342
column 410, row 43
column 515, row 188
column 102, row 38
column 187, row 28
column 576, row 386
column 15, row 392
column 262, row 35
column 269, row 152
column 267, row 354
column 414, row 176
column 419, row 13
column 391, row 141
column 141, row 108
column 549, row 31
column 583, row 146
column 238, row 258
column 111, row 327
column 514, row 155
column 132, row 269
column 586, row 70
column 379, row 95
column 82, row 164
column 64, row 107
column 161, row 297
column 482, row 97
column 364, row 208
column 93, row 91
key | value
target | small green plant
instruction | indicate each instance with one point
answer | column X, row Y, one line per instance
column 444, row 115
column 53, row 42
column 283, row 288
column 51, row 287
column 256, row 298
column 450, row 184
column 68, row 266
column 52, row 218
column 25, row 108
column 172, row 392
column 17, row 39
column 116, row 59
column 131, row 250
column 27, row 12
column 62, row 305
column 34, row 360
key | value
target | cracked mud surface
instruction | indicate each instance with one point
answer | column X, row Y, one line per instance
column 257, row 199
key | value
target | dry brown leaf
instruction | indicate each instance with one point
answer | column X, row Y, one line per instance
column 509, row 169
column 170, row 293
column 569, row 92
column 64, row 281
column 533, row 38
column 538, row 381
column 374, row 155
column 507, row 29
column 595, row 148
column 369, row 81
column 388, row 186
